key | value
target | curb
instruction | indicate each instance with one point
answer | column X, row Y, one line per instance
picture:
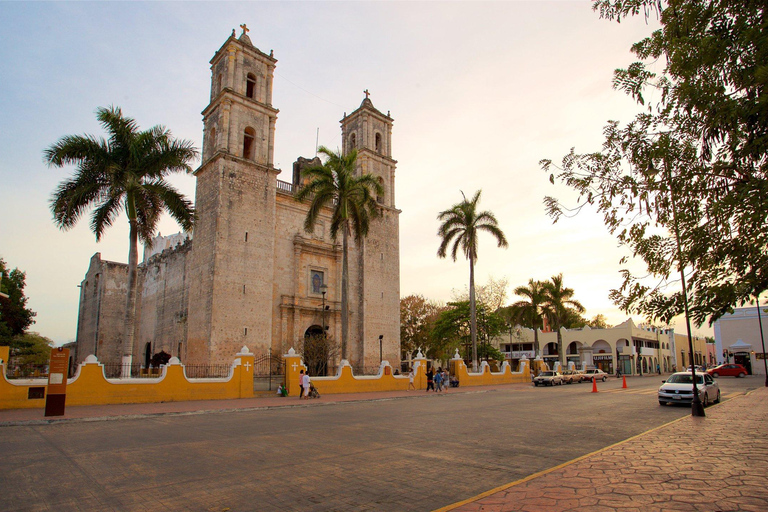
column 509, row 485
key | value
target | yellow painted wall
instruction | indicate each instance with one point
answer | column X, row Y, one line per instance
column 5, row 353
column 485, row 377
column 346, row 382
column 90, row 387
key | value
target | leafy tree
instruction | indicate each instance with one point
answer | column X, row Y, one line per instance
column 461, row 224
column 31, row 348
column 493, row 293
column 489, row 352
column 124, row 173
column 352, row 200
column 598, row 322
column 15, row 316
column 417, row 318
column 159, row 359
column 560, row 308
column 316, row 351
column 684, row 184
column 452, row 327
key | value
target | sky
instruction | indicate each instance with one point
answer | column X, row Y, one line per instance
column 480, row 92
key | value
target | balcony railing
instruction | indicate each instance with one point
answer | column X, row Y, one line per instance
column 284, row 186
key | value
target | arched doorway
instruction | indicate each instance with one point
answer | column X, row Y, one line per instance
column 573, row 354
column 316, row 351
column 550, row 354
column 602, row 356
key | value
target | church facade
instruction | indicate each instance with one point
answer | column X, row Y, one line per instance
column 250, row 274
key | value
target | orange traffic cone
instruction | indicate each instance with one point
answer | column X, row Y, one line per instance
column 624, row 383
column 594, row 385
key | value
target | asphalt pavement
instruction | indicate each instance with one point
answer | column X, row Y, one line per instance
column 496, row 448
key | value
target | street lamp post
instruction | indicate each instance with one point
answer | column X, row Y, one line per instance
column 323, row 289
column 381, row 340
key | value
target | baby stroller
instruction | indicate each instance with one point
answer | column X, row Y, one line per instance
column 313, row 393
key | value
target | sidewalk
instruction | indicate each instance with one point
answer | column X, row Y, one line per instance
column 717, row 463
column 11, row 417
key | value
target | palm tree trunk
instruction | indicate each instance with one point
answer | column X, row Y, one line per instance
column 344, row 291
column 560, row 352
column 472, row 312
column 130, row 306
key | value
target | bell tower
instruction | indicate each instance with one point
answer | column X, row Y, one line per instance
column 377, row 273
column 231, row 264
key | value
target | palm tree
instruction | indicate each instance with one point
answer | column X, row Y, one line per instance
column 558, row 307
column 125, row 173
column 528, row 312
column 353, row 203
column 461, row 224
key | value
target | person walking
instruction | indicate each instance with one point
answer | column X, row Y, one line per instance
column 306, row 386
column 301, row 385
column 411, row 376
column 430, row 380
column 446, row 378
column 439, row 380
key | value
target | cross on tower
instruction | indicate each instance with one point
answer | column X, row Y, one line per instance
column 366, row 93
column 245, row 28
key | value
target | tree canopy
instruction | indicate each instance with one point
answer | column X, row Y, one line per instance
column 125, row 173
column 417, row 319
column 459, row 229
column 683, row 184
column 15, row 316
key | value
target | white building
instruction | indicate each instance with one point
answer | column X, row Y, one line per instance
column 636, row 350
column 738, row 340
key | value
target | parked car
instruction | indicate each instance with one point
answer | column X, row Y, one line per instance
column 678, row 389
column 550, row 378
column 597, row 373
column 570, row 376
column 728, row 370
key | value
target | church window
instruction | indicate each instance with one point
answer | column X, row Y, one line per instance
column 218, row 84
column 378, row 143
column 245, row 332
column 213, row 138
column 352, row 142
column 178, row 353
column 248, row 138
column 250, row 85
column 246, row 236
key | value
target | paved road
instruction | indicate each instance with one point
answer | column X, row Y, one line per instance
column 414, row 452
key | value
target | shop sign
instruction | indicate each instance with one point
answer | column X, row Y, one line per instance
column 602, row 358
column 760, row 355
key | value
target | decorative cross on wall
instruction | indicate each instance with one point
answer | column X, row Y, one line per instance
column 247, row 366
column 295, row 365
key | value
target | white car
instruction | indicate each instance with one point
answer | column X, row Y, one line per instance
column 595, row 373
column 678, row 389
column 548, row 378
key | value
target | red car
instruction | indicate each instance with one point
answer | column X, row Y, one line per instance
column 728, row 370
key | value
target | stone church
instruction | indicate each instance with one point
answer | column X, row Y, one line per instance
column 249, row 274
